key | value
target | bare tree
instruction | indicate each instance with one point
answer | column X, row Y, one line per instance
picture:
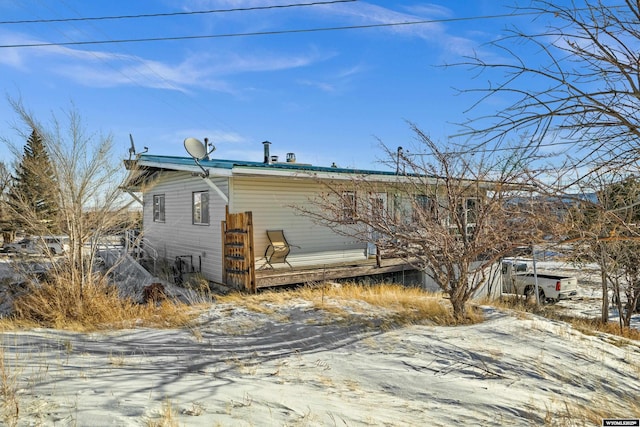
column 452, row 215
column 580, row 98
column 606, row 229
column 582, row 93
column 87, row 188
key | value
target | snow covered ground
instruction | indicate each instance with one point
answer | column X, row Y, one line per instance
column 298, row 366
column 588, row 303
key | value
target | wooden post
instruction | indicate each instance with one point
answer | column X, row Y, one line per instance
column 238, row 252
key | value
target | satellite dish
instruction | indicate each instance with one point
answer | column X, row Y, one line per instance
column 198, row 150
column 132, row 149
column 195, row 148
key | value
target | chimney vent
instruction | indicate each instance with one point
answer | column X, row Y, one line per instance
column 291, row 157
column 267, row 157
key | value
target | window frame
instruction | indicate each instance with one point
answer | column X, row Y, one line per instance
column 378, row 206
column 200, row 208
column 472, row 210
column 468, row 209
column 349, row 207
column 425, row 206
column 159, row 205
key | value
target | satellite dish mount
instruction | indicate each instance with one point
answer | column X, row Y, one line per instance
column 199, row 151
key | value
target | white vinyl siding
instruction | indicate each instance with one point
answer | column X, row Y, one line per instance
column 271, row 201
column 177, row 236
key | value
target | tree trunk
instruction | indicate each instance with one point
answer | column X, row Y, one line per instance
column 459, row 307
column 605, row 297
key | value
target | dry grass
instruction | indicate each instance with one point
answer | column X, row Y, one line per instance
column 600, row 407
column 9, row 403
column 584, row 325
column 168, row 417
column 399, row 305
column 590, row 326
column 259, row 303
column 58, row 304
column 512, row 302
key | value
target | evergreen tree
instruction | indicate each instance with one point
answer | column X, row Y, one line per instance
column 7, row 227
column 32, row 197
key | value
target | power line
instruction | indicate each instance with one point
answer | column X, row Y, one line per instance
column 262, row 33
column 134, row 80
column 157, row 15
column 251, row 34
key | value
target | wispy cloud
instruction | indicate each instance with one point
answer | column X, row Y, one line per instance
column 97, row 68
column 215, row 136
column 337, row 82
column 227, row 143
column 362, row 13
column 322, row 85
column 217, row 71
column 264, row 60
column 356, row 13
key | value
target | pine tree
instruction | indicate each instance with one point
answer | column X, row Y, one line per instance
column 7, row 227
column 32, row 197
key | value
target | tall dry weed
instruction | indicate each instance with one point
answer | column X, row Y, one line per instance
column 58, row 303
column 9, row 403
column 167, row 417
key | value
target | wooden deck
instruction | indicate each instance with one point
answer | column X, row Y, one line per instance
column 285, row 275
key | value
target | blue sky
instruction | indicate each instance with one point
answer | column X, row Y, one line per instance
column 327, row 96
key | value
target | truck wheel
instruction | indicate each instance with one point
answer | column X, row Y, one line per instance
column 529, row 296
column 541, row 297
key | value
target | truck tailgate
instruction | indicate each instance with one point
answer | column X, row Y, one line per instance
column 568, row 288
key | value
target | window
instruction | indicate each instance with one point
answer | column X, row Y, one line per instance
column 158, row 208
column 402, row 209
column 472, row 211
column 348, row 207
column 425, row 208
column 468, row 212
column 378, row 207
column 201, row 207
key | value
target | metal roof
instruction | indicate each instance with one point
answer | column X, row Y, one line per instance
column 175, row 162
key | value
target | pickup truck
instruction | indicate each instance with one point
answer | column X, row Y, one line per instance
column 518, row 279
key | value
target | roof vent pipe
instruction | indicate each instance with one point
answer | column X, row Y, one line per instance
column 267, row 157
